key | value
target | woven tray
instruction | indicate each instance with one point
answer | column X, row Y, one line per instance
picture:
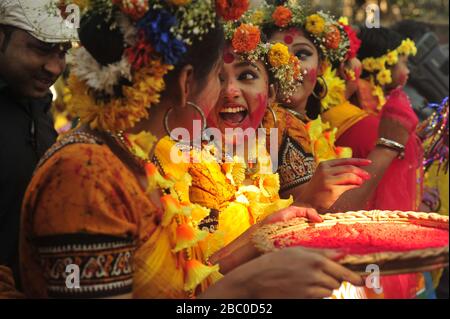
column 389, row 262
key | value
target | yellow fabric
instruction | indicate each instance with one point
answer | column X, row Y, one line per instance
column 343, row 117
column 323, row 140
column 160, row 272
column 439, row 182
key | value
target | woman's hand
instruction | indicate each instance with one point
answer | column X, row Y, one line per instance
column 289, row 273
column 330, row 180
column 242, row 250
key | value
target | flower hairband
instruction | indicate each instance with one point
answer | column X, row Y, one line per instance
column 379, row 67
column 245, row 40
column 157, row 34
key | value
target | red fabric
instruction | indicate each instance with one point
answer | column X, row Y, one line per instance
column 398, row 188
column 401, row 185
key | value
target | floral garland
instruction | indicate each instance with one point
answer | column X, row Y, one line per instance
column 379, row 67
column 255, row 197
column 245, row 39
column 156, row 36
column 336, row 89
column 327, row 33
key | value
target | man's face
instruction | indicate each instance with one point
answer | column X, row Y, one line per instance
column 29, row 66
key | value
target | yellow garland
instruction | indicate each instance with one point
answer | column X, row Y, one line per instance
column 181, row 218
column 119, row 114
column 336, row 89
column 379, row 66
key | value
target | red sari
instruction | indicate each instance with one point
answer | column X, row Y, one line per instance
column 401, row 186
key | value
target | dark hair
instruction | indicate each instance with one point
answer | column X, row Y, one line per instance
column 376, row 42
column 109, row 47
column 203, row 54
column 411, row 29
column 7, row 31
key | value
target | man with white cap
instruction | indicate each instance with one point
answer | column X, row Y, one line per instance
column 34, row 39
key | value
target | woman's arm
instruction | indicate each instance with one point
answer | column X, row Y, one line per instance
column 242, row 250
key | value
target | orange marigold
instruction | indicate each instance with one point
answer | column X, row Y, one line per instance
column 246, row 38
column 282, row 16
column 231, row 10
column 333, row 38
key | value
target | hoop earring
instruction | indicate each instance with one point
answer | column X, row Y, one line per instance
column 274, row 116
column 324, row 92
column 196, row 107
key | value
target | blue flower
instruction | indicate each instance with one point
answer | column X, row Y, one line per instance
column 156, row 25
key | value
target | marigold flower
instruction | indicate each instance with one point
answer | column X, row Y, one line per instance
column 246, row 38
column 282, row 16
column 333, row 38
column 315, row 24
column 231, row 10
column 279, row 55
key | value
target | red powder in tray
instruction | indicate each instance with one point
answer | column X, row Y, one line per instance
column 360, row 239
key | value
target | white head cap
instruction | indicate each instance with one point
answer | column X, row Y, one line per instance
column 41, row 18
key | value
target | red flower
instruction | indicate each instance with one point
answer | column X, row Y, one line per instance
column 231, row 10
column 141, row 53
column 282, row 16
column 333, row 38
column 355, row 42
column 246, row 38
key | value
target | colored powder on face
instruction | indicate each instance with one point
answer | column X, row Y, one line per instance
column 288, row 39
column 312, row 75
column 360, row 239
column 258, row 114
column 228, row 58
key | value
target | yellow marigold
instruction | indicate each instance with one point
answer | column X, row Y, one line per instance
column 315, row 24
column 119, row 114
column 392, row 58
column 279, row 55
column 246, row 38
column 384, row 77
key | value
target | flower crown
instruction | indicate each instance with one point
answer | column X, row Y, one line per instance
column 379, row 67
column 245, row 39
column 327, row 33
column 156, row 35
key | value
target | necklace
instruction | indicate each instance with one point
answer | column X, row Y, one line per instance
column 300, row 116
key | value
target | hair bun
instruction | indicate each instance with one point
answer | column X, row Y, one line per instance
column 106, row 49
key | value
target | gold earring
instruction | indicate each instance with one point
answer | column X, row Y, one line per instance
column 196, row 107
column 324, row 92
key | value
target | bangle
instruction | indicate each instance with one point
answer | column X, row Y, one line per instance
column 392, row 145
